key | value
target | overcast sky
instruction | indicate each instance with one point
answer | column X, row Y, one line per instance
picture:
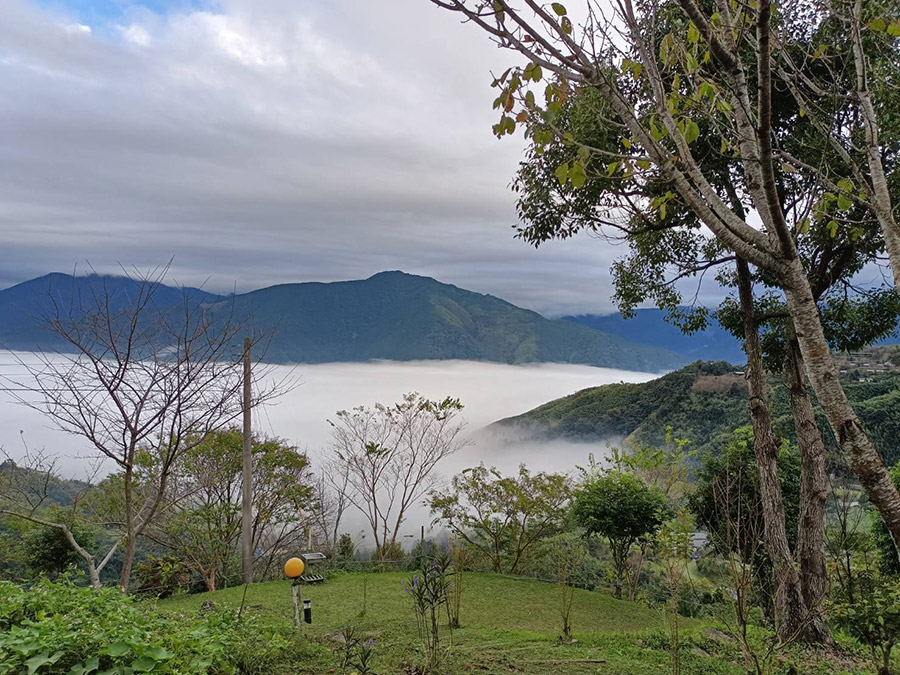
column 266, row 141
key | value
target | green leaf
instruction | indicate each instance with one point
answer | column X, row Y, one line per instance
column 143, row 665
column 690, row 62
column 578, row 175
column 691, row 130
column 894, row 29
column 845, row 184
column 833, row 228
column 158, row 653
column 693, row 34
column 86, row 668
column 562, row 172
column 117, row 649
column 879, row 25
column 559, row 9
column 42, row 659
column 844, row 203
column 665, row 46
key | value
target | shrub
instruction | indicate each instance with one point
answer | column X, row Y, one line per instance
column 58, row 628
column 391, row 554
column 873, row 618
column 48, row 551
column 162, row 576
column 346, row 549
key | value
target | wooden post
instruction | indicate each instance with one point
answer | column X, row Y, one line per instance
column 295, row 591
column 247, row 474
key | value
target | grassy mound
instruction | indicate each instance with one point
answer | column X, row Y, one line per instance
column 508, row 625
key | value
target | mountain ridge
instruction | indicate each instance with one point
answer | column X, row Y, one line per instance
column 390, row 315
column 702, row 403
column 649, row 326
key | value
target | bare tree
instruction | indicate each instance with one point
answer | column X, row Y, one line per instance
column 138, row 377
column 721, row 68
column 391, row 453
column 25, row 492
column 331, row 501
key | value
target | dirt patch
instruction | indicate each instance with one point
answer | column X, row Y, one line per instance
column 718, row 384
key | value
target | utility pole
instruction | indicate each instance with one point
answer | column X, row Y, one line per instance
column 247, row 474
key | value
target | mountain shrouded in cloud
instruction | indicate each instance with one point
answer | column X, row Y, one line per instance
column 391, row 315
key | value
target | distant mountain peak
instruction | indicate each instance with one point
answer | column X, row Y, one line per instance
column 391, row 315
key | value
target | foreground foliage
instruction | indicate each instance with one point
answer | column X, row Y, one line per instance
column 58, row 627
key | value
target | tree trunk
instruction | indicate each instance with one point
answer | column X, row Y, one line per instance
column 125, row 576
column 790, row 608
column 210, row 579
column 813, row 491
column 93, row 574
column 882, row 201
column 862, row 456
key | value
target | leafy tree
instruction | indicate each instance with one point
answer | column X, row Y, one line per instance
column 200, row 521
column 674, row 545
column 346, row 548
column 502, row 517
column 668, row 97
column 622, row 508
column 728, row 504
column 889, row 562
column 664, row 468
column 733, row 470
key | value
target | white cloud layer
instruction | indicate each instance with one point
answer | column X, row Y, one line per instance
column 266, row 141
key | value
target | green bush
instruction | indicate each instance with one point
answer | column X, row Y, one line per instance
column 162, row 576
column 47, row 551
column 873, row 618
column 60, row 628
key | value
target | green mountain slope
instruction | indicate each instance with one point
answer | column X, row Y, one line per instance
column 391, row 315
column 400, row 316
column 702, row 402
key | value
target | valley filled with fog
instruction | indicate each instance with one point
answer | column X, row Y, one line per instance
column 489, row 391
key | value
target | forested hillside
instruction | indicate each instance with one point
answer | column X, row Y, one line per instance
column 702, row 402
column 390, row 315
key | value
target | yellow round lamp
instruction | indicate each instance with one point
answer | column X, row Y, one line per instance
column 293, row 568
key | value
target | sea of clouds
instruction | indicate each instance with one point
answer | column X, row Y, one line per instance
column 489, row 392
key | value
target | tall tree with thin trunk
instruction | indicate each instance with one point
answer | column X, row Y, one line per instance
column 658, row 90
column 790, row 603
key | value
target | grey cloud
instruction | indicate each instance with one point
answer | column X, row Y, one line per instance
column 269, row 142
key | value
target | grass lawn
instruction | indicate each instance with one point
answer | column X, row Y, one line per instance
column 508, row 626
